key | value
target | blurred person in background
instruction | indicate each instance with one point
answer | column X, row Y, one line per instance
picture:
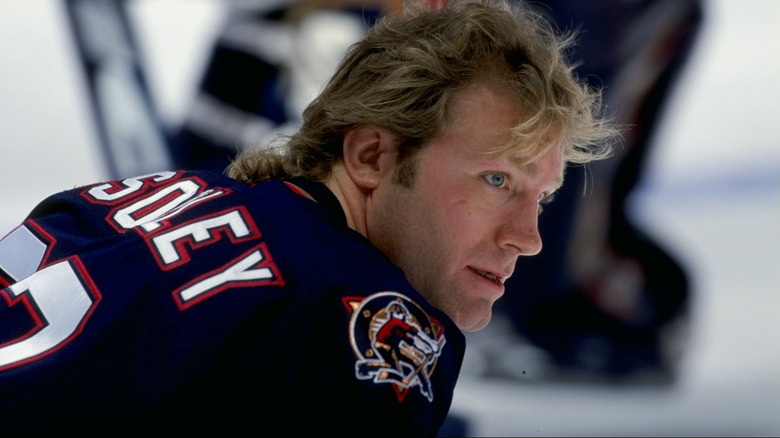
column 271, row 58
column 604, row 299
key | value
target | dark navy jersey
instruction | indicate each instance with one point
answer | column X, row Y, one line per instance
column 190, row 302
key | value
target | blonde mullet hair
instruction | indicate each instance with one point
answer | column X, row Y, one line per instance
column 406, row 71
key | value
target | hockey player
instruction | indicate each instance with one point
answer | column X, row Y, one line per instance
column 195, row 302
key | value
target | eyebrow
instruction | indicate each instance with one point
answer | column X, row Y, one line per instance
column 531, row 168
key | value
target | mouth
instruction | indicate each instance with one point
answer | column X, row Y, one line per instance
column 490, row 276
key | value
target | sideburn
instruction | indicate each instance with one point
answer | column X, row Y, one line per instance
column 406, row 171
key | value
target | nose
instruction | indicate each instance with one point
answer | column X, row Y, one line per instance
column 519, row 231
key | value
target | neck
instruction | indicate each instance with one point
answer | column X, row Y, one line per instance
column 351, row 198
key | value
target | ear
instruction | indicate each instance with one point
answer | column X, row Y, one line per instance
column 370, row 154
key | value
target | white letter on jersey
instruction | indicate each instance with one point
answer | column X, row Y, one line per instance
column 252, row 269
column 200, row 232
column 132, row 185
column 182, row 191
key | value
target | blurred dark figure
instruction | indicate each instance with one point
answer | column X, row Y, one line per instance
column 270, row 59
column 603, row 297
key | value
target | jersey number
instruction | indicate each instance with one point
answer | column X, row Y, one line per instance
column 56, row 320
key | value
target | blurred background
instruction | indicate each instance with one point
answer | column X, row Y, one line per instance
column 710, row 195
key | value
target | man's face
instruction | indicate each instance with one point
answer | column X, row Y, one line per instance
column 458, row 230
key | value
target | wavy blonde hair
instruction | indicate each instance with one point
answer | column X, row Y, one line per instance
column 405, row 72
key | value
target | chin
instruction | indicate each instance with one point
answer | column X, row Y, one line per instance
column 473, row 323
column 474, row 328
column 470, row 315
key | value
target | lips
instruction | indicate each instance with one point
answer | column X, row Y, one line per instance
column 489, row 275
column 495, row 278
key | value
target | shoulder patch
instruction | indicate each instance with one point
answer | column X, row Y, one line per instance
column 395, row 342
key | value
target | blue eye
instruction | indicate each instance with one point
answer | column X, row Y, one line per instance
column 495, row 179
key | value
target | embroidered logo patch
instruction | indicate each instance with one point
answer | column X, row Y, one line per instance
column 395, row 342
